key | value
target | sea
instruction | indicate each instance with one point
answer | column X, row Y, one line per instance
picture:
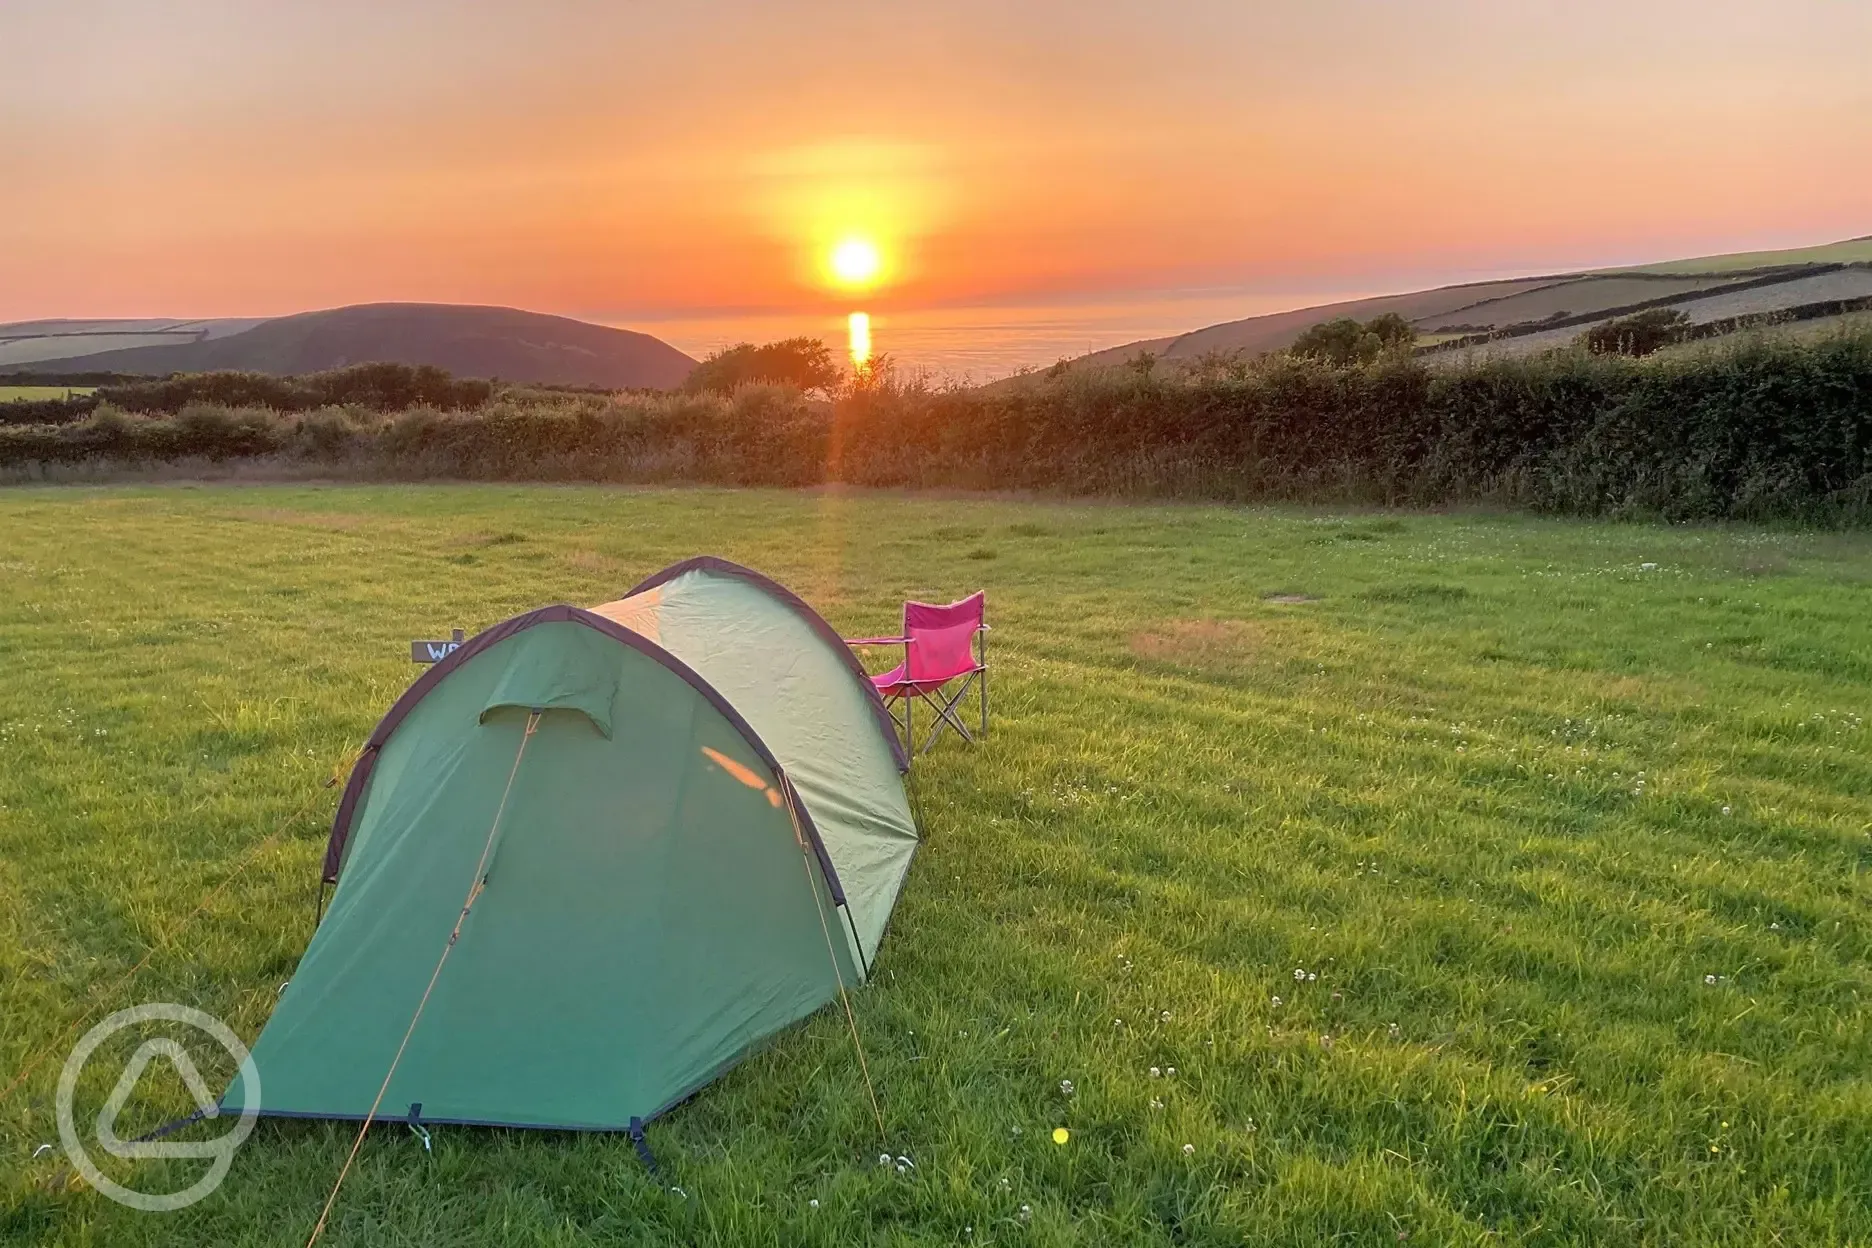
column 971, row 345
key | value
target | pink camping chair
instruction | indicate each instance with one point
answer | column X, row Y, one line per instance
column 941, row 645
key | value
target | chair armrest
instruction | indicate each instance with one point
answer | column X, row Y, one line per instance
column 879, row 641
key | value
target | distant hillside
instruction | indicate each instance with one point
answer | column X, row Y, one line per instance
column 26, row 342
column 467, row 341
column 1535, row 313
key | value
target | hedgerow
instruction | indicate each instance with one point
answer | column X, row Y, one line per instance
column 1767, row 428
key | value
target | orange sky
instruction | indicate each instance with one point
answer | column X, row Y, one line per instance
column 620, row 159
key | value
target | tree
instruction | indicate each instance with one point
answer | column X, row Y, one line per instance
column 805, row 363
column 1392, row 330
column 1638, row 334
column 1345, row 341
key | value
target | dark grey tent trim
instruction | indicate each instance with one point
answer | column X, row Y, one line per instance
column 561, row 613
column 392, row 1120
column 714, row 563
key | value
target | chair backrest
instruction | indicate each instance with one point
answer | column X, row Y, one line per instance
column 942, row 639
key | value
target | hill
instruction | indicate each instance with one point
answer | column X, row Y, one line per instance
column 1524, row 314
column 467, row 341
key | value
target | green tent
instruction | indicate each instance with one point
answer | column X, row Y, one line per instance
column 690, row 809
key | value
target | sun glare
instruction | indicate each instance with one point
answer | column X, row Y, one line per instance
column 859, row 327
column 855, row 262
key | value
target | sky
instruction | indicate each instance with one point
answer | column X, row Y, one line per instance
column 640, row 162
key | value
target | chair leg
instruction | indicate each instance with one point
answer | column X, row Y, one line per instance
column 937, row 731
column 946, row 716
column 900, row 722
column 946, row 720
column 981, row 660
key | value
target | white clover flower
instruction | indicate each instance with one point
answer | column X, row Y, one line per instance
column 1189, row 1150
column 1117, row 1022
column 884, row 1159
column 1725, row 810
column 1155, row 1072
column 1709, row 979
column 1299, row 975
column 1006, row 1185
column 1017, row 1131
column 1026, row 1214
column 813, row 1203
column 1277, row 1003
column 1155, row 1103
column 1311, row 976
column 1164, row 1017
column 1066, row 1087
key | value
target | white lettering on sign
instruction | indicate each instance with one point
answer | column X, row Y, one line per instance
column 436, row 651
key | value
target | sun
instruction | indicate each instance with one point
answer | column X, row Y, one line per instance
column 855, row 262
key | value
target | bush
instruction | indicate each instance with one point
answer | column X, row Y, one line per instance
column 379, row 387
column 47, row 411
column 330, row 433
column 1345, row 341
column 806, row 364
column 1638, row 334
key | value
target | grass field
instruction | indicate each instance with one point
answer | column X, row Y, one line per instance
column 1572, row 298
column 9, row 394
column 1819, row 327
column 1454, row 878
column 1849, row 251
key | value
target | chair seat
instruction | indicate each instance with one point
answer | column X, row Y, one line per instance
column 897, row 684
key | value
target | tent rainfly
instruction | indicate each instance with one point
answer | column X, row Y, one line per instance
column 688, row 820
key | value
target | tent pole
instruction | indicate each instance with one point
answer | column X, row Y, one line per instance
column 856, row 943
